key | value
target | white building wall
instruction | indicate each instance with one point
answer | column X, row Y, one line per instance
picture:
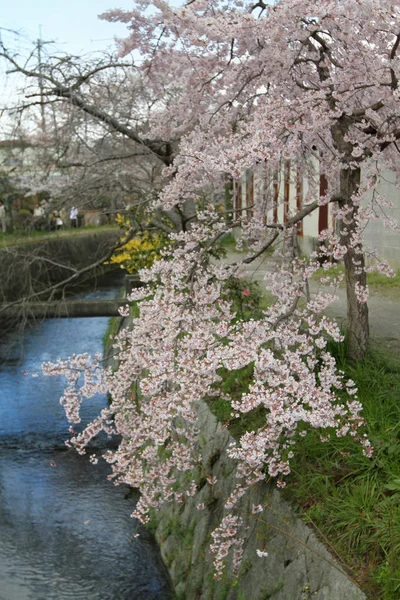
column 378, row 237
column 310, row 194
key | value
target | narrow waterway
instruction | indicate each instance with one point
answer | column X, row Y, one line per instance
column 65, row 531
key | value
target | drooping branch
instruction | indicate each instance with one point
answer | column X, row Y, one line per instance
column 157, row 147
column 266, row 246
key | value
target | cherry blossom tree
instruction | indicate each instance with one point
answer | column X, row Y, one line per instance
column 253, row 85
column 260, row 84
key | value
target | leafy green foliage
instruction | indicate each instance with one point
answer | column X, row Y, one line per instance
column 246, row 298
column 235, row 383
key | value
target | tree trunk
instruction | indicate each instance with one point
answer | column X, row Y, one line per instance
column 354, row 262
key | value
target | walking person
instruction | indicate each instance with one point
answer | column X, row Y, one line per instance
column 2, row 216
column 73, row 215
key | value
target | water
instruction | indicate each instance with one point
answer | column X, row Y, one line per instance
column 65, row 531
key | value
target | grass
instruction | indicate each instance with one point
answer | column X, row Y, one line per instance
column 20, row 237
column 228, row 241
column 112, row 330
column 353, row 500
column 384, row 286
column 376, row 281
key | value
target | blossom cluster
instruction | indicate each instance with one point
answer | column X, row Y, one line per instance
column 171, row 358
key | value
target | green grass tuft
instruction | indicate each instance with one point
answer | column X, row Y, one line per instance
column 20, row 238
column 112, row 330
column 353, row 500
column 376, row 281
column 228, row 241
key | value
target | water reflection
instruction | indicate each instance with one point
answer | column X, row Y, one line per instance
column 65, row 530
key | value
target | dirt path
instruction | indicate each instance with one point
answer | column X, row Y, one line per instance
column 384, row 307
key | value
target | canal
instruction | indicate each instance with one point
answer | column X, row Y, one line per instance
column 65, row 531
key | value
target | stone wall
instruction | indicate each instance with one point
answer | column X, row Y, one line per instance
column 298, row 566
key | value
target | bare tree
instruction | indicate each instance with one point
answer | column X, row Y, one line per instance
column 85, row 124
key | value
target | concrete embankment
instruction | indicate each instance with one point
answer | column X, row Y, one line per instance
column 31, row 268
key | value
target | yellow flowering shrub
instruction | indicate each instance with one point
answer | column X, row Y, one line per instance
column 140, row 252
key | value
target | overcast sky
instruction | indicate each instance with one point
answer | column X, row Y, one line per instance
column 73, row 24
